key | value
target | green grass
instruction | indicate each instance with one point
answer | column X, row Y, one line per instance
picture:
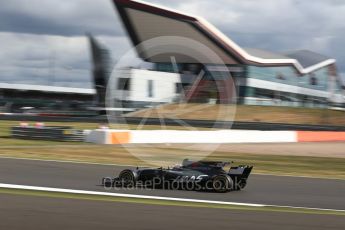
column 148, row 201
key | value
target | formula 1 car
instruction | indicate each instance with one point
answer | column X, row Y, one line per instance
column 191, row 175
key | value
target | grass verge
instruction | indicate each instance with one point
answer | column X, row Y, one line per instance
column 5, row 131
column 248, row 113
column 149, row 201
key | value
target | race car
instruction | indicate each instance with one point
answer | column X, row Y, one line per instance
column 191, row 175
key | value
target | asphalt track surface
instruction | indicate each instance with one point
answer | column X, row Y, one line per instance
column 32, row 213
column 261, row 189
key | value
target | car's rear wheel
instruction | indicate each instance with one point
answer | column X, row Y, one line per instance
column 222, row 183
column 127, row 178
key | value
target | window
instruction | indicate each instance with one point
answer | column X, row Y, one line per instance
column 264, row 93
column 150, row 88
column 280, row 76
column 165, row 67
column 178, row 88
column 313, row 79
column 123, row 84
column 181, row 87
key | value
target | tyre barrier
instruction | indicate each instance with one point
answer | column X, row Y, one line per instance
column 50, row 133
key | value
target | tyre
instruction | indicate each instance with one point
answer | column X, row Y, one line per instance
column 127, row 178
column 107, row 182
column 222, row 183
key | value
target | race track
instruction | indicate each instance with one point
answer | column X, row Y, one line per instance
column 32, row 213
column 262, row 189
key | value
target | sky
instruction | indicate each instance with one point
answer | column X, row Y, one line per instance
column 44, row 42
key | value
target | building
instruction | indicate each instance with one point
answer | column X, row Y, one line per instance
column 19, row 98
column 137, row 88
column 32, row 98
column 101, row 69
column 296, row 78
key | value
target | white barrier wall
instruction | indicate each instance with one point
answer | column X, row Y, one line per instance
column 98, row 137
column 228, row 136
column 182, row 137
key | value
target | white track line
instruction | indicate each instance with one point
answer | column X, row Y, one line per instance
column 123, row 195
column 83, row 192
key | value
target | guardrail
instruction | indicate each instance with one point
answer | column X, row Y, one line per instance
column 51, row 133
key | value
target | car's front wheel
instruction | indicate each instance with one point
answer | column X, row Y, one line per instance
column 127, row 178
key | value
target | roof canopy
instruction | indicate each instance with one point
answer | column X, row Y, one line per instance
column 145, row 21
column 47, row 88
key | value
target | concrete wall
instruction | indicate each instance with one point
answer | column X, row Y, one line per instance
column 212, row 137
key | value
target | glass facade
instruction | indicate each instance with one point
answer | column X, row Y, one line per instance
column 317, row 81
column 308, row 90
column 168, row 67
column 257, row 96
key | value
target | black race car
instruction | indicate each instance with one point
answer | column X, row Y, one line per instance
column 191, row 175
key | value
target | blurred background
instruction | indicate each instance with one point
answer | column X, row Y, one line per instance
column 57, row 59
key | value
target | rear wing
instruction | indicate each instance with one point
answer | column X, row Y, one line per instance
column 242, row 171
column 189, row 163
